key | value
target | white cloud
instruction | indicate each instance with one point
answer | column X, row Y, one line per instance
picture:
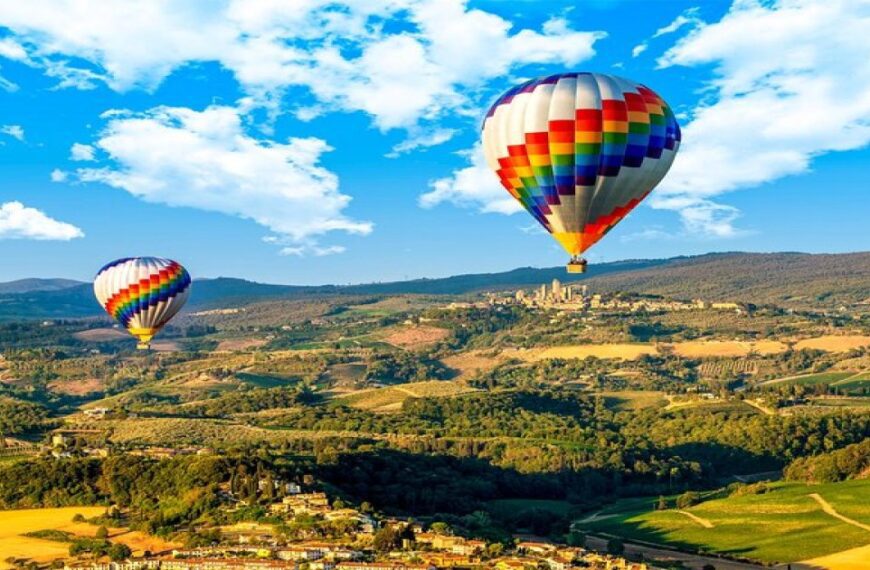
column 58, row 175
column 688, row 18
column 422, row 139
column 400, row 61
column 654, row 232
column 205, row 160
column 313, row 250
column 17, row 221
column 792, row 82
column 7, row 85
column 82, row 152
column 10, row 49
column 14, row 131
column 473, row 186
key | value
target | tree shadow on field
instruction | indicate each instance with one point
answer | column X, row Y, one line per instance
column 723, row 461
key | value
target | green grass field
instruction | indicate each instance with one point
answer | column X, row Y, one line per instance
column 783, row 525
column 712, row 406
column 390, row 398
column 856, row 385
column 633, row 400
column 820, row 378
column 261, row 380
column 842, row 402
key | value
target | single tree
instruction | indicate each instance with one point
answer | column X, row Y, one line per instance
column 119, row 552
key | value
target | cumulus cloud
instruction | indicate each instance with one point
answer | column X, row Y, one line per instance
column 473, row 186
column 792, row 82
column 205, row 159
column 400, row 61
column 17, row 221
column 81, row 152
column 14, row 131
column 58, row 175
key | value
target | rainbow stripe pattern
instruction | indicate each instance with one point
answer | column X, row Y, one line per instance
column 142, row 293
column 580, row 150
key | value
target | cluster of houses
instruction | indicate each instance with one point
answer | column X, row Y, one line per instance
column 431, row 552
column 317, row 504
column 80, row 442
column 574, row 297
column 254, row 546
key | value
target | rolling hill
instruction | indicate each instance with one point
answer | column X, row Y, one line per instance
column 790, row 279
column 31, row 285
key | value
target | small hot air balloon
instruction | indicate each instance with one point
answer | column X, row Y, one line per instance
column 579, row 151
column 142, row 293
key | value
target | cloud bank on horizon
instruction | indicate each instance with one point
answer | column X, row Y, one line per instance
column 787, row 81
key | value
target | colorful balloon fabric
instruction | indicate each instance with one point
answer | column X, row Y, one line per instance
column 142, row 293
column 580, row 150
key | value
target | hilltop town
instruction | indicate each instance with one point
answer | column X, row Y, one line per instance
column 579, row 298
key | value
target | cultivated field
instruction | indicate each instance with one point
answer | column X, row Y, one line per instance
column 786, row 524
column 625, row 351
column 688, row 349
column 634, row 400
column 732, row 348
column 467, row 364
column 812, row 379
column 390, row 398
column 17, row 523
column 78, row 387
column 107, row 334
column 834, row 343
column 852, row 559
column 413, row 337
column 233, row 344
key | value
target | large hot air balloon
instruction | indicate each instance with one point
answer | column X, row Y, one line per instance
column 142, row 293
column 579, row 151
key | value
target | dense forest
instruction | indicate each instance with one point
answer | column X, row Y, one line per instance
column 849, row 462
column 450, row 456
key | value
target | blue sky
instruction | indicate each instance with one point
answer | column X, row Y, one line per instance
column 323, row 142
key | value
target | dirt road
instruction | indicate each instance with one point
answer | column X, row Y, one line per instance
column 829, row 509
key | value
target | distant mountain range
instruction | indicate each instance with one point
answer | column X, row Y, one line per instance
column 31, row 285
column 797, row 279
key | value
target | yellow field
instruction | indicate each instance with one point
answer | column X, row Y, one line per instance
column 634, row 400
column 467, row 364
column 852, row 559
column 834, row 343
column 695, row 349
column 13, row 524
column 232, row 344
column 624, row 351
column 415, row 337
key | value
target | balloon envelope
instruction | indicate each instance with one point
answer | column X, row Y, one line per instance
column 142, row 293
column 580, row 150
